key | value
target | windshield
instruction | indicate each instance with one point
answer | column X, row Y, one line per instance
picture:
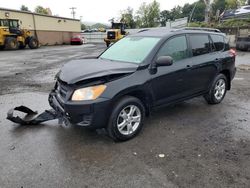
column 130, row 49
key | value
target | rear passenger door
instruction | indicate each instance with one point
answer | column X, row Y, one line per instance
column 203, row 68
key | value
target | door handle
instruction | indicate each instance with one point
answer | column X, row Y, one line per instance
column 189, row 66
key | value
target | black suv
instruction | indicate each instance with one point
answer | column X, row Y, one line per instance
column 140, row 72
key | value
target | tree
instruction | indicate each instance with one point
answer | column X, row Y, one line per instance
column 187, row 9
column 148, row 15
column 24, row 8
column 199, row 11
column 41, row 10
column 176, row 12
column 242, row 2
column 154, row 14
column 231, row 4
column 164, row 17
column 128, row 18
column 83, row 27
column 218, row 5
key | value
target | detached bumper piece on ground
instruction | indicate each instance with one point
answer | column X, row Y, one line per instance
column 32, row 118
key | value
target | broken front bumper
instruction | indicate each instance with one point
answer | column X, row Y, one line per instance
column 92, row 114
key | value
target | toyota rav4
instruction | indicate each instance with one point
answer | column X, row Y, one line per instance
column 140, row 72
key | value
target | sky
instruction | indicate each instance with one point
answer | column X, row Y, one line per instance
column 89, row 10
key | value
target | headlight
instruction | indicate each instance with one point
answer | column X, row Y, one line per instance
column 88, row 93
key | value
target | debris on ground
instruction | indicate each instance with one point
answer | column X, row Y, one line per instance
column 161, row 155
column 12, row 147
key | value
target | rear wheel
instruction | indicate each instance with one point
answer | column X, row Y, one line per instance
column 11, row 43
column 33, row 43
column 126, row 120
column 2, row 47
column 218, row 90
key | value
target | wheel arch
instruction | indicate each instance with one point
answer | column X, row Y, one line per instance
column 228, row 76
column 142, row 95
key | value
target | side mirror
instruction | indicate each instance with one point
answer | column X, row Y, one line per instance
column 164, row 61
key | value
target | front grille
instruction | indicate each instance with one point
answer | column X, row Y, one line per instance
column 62, row 89
column 111, row 35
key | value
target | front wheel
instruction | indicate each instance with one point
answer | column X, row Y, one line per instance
column 126, row 120
column 218, row 90
column 33, row 43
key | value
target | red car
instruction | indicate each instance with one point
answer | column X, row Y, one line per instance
column 77, row 39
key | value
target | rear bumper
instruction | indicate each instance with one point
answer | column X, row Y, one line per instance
column 92, row 114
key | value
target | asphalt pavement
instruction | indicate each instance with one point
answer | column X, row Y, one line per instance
column 191, row 144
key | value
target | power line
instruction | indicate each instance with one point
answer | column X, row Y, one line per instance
column 73, row 12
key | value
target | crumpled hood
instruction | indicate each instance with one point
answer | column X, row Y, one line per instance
column 79, row 70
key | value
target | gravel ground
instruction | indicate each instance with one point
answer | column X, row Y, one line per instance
column 190, row 144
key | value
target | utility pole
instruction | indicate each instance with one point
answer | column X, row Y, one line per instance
column 73, row 12
column 192, row 12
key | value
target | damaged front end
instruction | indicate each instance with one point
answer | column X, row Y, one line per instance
column 77, row 75
column 81, row 113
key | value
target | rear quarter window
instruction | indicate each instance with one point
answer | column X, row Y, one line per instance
column 219, row 42
column 200, row 44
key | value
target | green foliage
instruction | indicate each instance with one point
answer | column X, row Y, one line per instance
column 83, row 27
column 235, row 23
column 41, row 10
column 176, row 12
column 218, row 5
column 231, row 4
column 242, row 2
column 128, row 18
column 225, row 24
column 148, row 15
column 165, row 15
column 199, row 24
column 187, row 9
column 199, row 12
column 24, row 8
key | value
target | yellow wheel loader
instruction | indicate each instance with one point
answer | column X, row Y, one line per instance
column 116, row 33
column 12, row 37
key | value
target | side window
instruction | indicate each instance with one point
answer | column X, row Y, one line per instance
column 176, row 48
column 200, row 44
column 218, row 42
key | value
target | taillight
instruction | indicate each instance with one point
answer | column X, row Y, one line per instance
column 232, row 52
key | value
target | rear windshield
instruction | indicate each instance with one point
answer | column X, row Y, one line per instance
column 130, row 49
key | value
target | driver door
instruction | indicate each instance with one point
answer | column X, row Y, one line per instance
column 170, row 83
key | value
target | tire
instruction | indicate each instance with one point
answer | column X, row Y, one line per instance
column 218, row 90
column 133, row 123
column 11, row 43
column 33, row 43
column 2, row 47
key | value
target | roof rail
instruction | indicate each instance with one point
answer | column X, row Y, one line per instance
column 142, row 30
column 202, row 29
